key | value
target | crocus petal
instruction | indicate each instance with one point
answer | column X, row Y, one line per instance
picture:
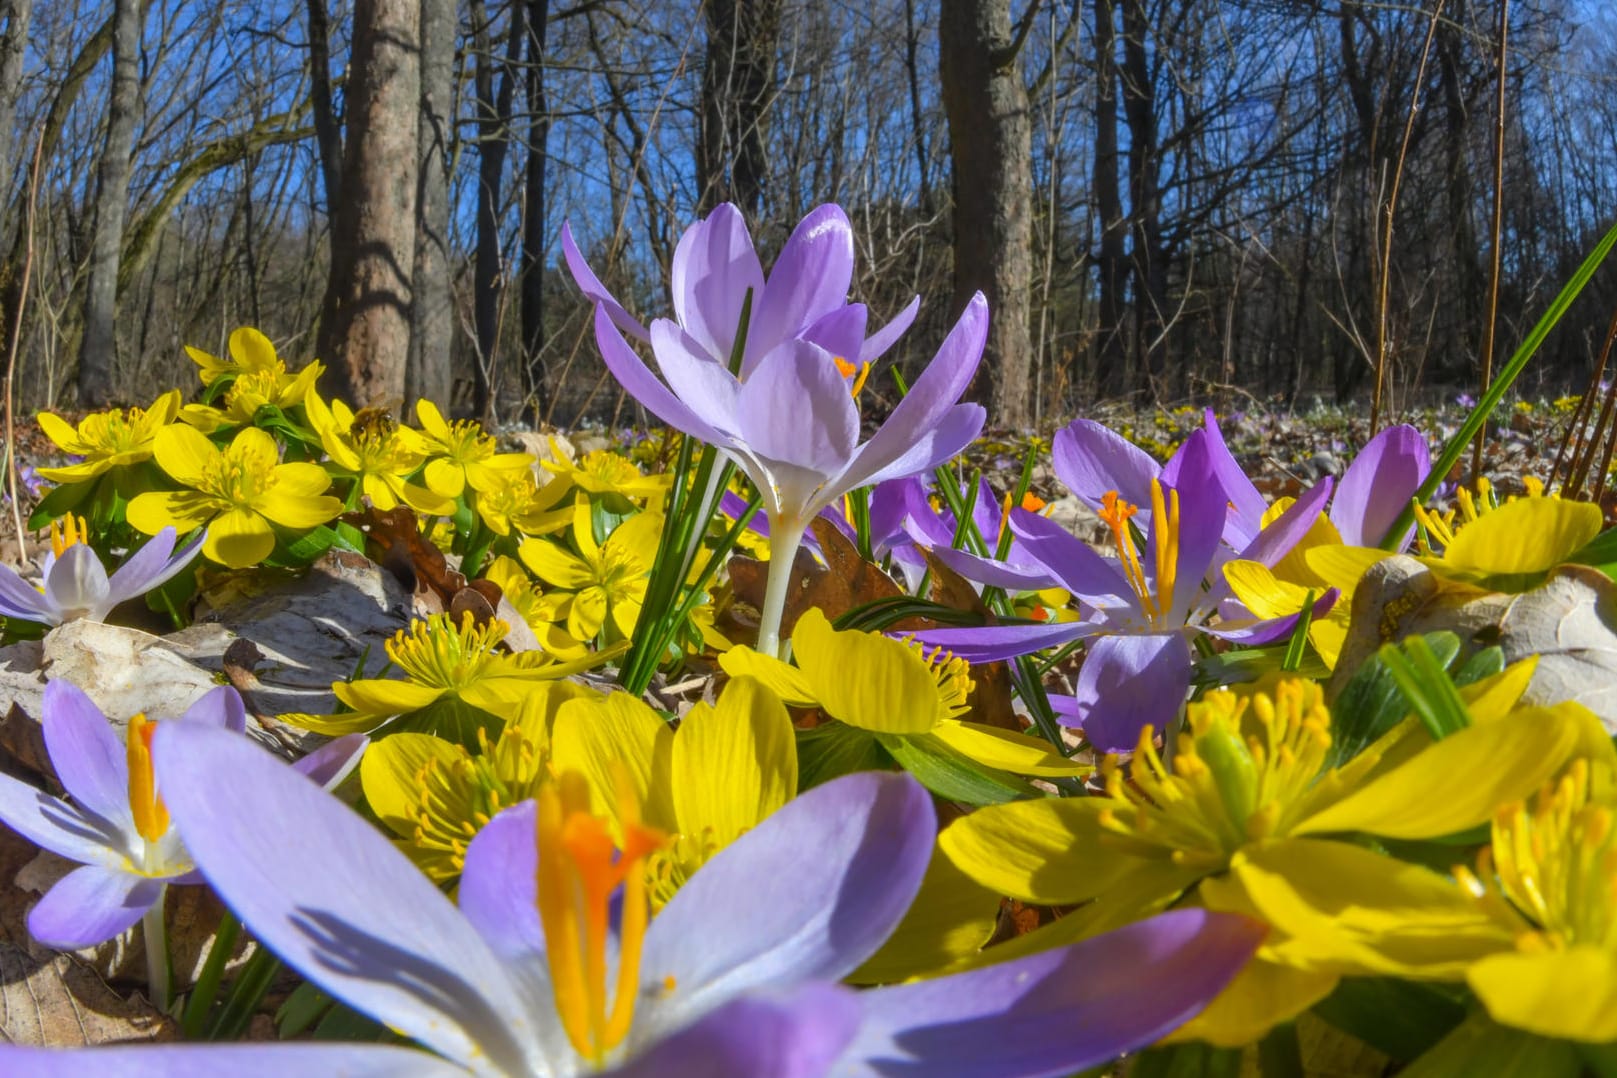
column 638, row 381
column 1050, row 1014
column 840, row 331
column 77, row 582
column 19, row 600
column 88, row 757
column 332, row 762
column 702, row 384
column 55, row 825
column 152, row 566
column 1128, row 682
column 350, row 912
column 957, row 429
column 995, row 573
column 808, row 894
column 1247, row 505
column 810, row 277
column 220, row 707
column 1203, row 513
column 795, row 1034
column 795, row 408
column 1378, row 484
column 1078, row 566
column 1091, row 460
column 499, row 884
column 929, row 400
column 592, row 287
column 90, row 905
column 877, row 344
column 994, row 643
column 237, row 1060
column 714, row 265
column 1289, row 528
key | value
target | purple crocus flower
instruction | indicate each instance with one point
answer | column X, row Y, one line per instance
column 116, row 825
column 1379, row 484
column 935, row 528
column 788, row 416
column 1143, row 606
column 736, row 975
column 76, row 585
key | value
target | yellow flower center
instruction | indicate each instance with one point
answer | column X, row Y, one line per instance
column 466, row 443
column 1115, row 513
column 254, row 389
column 1239, row 773
column 580, row 869
column 456, row 798
column 953, row 675
column 1556, row 864
column 69, row 531
column 151, row 815
column 436, row 652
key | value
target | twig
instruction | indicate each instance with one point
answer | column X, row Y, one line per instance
column 16, row 343
column 1498, row 230
column 1391, row 212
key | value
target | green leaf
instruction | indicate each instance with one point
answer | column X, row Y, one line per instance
column 1479, row 1045
column 1372, row 703
column 61, row 501
column 1600, row 552
column 952, row 775
column 1399, row 1018
column 450, row 718
column 1190, row 1060
column 834, row 749
column 301, row 549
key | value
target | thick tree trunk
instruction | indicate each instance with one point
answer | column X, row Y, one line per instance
column 432, row 315
column 531, row 274
column 1110, row 355
column 365, row 319
column 327, row 125
column 990, row 137
column 15, row 15
column 738, row 86
column 98, row 348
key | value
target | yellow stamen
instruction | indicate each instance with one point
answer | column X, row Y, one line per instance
column 151, row 815
column 859, row 372
column 69, row 531
column 580, row 868
column 1165, row 537
column 1004, row 518
column 1115, row 513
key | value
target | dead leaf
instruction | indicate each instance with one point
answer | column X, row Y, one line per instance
column 990, row 697
column 58, row 1001
column 394, row 539
column 1569, row 622
column 845, row 581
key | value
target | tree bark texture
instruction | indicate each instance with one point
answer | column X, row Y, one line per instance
column 432, row 314
column 990, row 137
column 365, row 319
column 327, row 124
column 98, row 347
column 1149, row 261
column 493, row 143
column 1111, row 357
column 738, row 86
column 15, row 14
column 531, row 273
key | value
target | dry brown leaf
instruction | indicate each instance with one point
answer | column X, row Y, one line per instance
column 57, row 1001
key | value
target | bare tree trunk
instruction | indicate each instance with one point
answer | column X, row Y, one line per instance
column 912, row 75
column 13, row 42
column 1149, row 261
column 531, row 274
column 990, row 138
column 738, row 85
column 432, row 315
column 1111, row 362
column 98, row 348
column 365, row 319
column 327, row 124
column 493, row 142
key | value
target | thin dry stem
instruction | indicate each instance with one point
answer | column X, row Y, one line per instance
column 1497, row 230
column 15, row 344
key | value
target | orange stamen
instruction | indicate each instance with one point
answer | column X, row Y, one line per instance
column 151, row 815
column 1032, row 502
column 69, row 531
column 859, row 372
column 1115, row 513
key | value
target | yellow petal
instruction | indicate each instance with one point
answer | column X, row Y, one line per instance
column 254, row 450
column 301, row 479
column 185, row 454
column 431, row 420
column 1528, row 535
column 445, row 478
column 380, row 697
column 733, row 764
column 1342, row 566
column 866, row 679
column 388, row 774
column 1455, row 783
column 60, row 431
column 239, row 538
column 181, row 510
column 1050, row 852
column 536, row 715
column 951, row 919
column 783, row 679
column 597, row 737
column 635, row 541
column 1344, row 909
column 292, row 510
column 1569, row 993
column 251, row 350
column 587, row 614
column 1262, row 592
column 552, row 564
column 1006, row 750
column 1495, row 696
column 1263, row 995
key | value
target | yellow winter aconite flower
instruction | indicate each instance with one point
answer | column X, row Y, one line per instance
column 1247, row 780
column 601, row 471
column 237, row 493
column 463, row 455
column 519, row 504
column 116, row 438
column 250, row 351
column 892, row 689
column 1523, row 537
column 600, row 581
column 378, row 454
column 518, row 589
column 251, row 392
column 435, row 794
column 442, row 659
column 706, row 784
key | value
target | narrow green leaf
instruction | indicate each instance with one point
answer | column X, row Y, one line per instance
column 952, row 775
column 1399, row 1018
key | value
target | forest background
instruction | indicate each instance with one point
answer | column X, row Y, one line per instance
column 1163, row 199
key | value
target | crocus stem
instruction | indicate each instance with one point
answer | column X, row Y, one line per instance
column 155, row 935
column 785, row 536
